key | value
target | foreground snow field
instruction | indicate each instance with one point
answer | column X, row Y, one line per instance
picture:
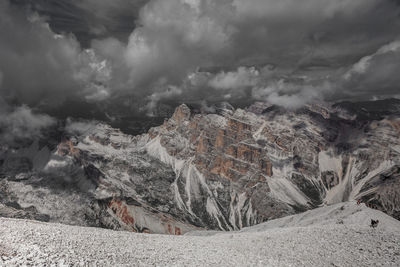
column 337, row 235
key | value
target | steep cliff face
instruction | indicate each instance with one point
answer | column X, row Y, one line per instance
column 227, row 170
column 261, row 163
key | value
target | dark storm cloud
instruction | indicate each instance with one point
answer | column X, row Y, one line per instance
column 32, row 59
column 87, row 19
column 288, row 52
column 41, row 68
column 375, row 75
column 310, row 43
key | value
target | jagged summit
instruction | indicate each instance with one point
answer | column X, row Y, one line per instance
column 224, row 170
column 182, row 113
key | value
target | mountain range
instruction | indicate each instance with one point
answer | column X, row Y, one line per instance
column 224, row 169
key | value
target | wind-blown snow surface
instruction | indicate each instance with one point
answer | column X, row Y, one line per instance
column 336, row 235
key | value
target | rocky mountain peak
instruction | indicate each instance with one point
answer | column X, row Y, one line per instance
column 182, row 113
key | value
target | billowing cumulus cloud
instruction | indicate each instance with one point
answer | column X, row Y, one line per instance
column 291, row 94
column 170, row 93
column 316, row 40
column 21, row 122
column 42, row 68
column 174, row 39
column 243, row 77
column 78, row 127
column 376, row 74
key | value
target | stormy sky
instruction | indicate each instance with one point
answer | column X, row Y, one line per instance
column 90, row 57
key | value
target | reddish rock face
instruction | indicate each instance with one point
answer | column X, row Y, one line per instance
column 219, row 149
column 231, row 158
column 220, row 139
column 182, row 113
column 238, row 126
column 223, row 167
column 67, row 148
column 396, row 125
column 266, row 167
column 121, row 211
column 203, row 145
column 177, row 231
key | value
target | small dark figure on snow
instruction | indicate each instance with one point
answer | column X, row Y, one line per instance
column 374, row 223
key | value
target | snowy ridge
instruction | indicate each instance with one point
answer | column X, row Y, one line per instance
column 347, row 213
column 385, row 165
column 156, row 150
column 336, row 235
column 329, row 163
column 283, row 190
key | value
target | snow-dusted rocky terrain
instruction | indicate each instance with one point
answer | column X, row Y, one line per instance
column 225, row 170
column 337, row 235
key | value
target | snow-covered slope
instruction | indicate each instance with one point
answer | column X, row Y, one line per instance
column 348, row 213
column 336, row 235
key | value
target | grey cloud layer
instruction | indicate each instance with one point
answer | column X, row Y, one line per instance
column 311, row 43
column 288, row 52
